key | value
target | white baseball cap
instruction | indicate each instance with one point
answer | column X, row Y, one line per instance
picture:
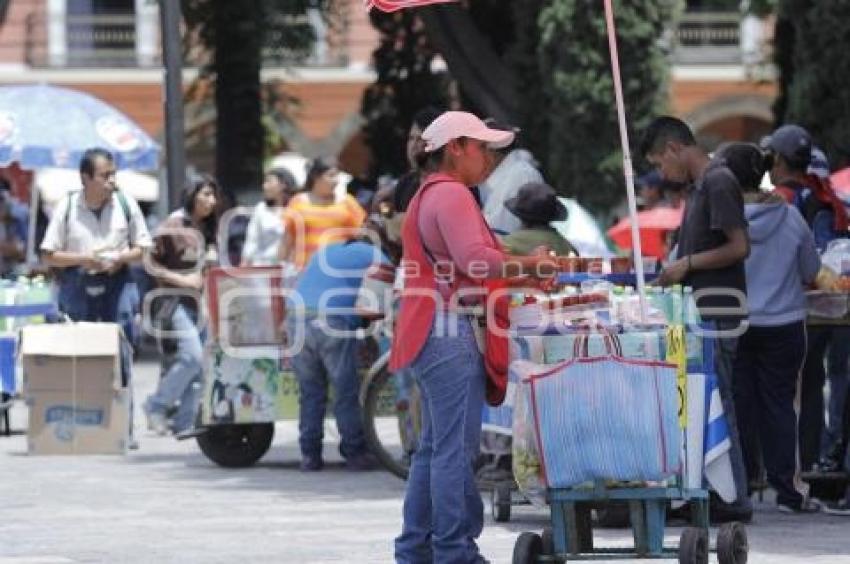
column 453, row 125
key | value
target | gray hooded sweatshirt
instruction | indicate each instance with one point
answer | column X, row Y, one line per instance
column 782, row 260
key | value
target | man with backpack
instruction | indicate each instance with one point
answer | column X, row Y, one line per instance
column 800, row 175
column 92, row 237
column 790, row 153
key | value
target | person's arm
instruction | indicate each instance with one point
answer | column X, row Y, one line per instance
column 252, row 237
column 735, row 249
column 470, row 250
column 808, row 259
column 163, row 246
column 286, row 248
column 64, row 259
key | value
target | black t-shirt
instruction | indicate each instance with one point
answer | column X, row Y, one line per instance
column 716, row 204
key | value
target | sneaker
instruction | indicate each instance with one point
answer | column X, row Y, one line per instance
column 157, row 422
column 840, row 507
column 807, row 506
column 132, row 444
column 311, row 464
column 362, row 462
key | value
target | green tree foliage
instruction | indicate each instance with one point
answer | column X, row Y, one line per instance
column 237, row 37
column 577, row 140
column 815, row 72
column 405, row 83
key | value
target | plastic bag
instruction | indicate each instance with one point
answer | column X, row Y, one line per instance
column 605, row 419
column 526, row 465
column 837, row 256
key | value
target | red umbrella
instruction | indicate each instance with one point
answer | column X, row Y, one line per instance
column 841, row 181
column 653, row 226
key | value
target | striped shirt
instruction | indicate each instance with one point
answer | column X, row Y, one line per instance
column 313, row 226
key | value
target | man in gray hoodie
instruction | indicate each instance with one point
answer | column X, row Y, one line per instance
column 783, row 259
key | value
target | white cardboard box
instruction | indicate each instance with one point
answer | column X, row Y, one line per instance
column 72, row 383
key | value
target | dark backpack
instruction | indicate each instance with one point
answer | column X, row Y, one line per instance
column 818, row 215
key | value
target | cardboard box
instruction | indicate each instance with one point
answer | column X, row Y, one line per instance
column 60, row 423
column 72, row 382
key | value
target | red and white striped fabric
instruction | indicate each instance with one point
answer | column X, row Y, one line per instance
column 395, row 5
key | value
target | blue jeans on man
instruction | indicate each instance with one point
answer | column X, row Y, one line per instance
column 327, row 358
column 101, row 298
column 179, row 391
column 443, row 512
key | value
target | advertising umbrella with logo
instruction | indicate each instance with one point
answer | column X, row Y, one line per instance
column 45, row 126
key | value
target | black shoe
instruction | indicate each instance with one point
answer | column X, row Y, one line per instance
column 362, row 462
column 311, row 464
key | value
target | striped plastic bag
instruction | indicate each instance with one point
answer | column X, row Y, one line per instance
column 525, row 456
column 606, row 418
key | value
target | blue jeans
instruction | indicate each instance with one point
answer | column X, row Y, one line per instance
column 101, row 298
column 182, row 370
column 328, row 359
column 443, row 512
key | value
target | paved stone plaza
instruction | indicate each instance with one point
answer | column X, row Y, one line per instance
column 167, row 503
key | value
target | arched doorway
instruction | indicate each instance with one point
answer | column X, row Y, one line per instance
column 732, row 118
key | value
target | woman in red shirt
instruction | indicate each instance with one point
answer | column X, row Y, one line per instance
column 448, row 253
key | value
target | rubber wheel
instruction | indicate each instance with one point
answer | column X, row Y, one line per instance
column 693, row 546
column 398, row 465
column 547, row 542
column 527, row 548
column 732, row 545
column 501, row 504
column 236, row 446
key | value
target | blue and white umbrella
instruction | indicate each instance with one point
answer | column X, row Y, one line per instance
column 47, row 126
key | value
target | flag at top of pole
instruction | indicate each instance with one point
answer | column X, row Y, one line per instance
column 395, row 5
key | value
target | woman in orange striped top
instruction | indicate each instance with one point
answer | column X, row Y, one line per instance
column 317, row 217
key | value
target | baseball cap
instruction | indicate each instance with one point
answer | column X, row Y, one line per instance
column 819, row 165
column 453, row 125
column 792, row 142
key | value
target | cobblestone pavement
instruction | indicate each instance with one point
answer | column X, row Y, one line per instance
column 167, row 503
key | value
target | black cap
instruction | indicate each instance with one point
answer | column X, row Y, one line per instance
column 537, row 203
column 792, row 142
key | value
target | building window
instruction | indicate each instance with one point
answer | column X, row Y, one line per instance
column 101, row 33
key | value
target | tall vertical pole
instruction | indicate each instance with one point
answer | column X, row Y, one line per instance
column 627, row 158
column 175, row 151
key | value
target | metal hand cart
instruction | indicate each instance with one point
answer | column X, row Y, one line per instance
column 570, row 534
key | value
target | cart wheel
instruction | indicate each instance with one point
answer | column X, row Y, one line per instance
column 527, row 548
column 693, row 546
column 547, row 542
column 732, row 545
column 501, row 504
column 236, row 446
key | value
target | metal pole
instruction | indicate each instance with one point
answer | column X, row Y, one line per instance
column 175, row 152
column 627, row 158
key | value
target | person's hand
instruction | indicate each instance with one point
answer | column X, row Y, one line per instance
column 542, row 251
column 673, row 273
column 93, row 264
column 193, row 280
